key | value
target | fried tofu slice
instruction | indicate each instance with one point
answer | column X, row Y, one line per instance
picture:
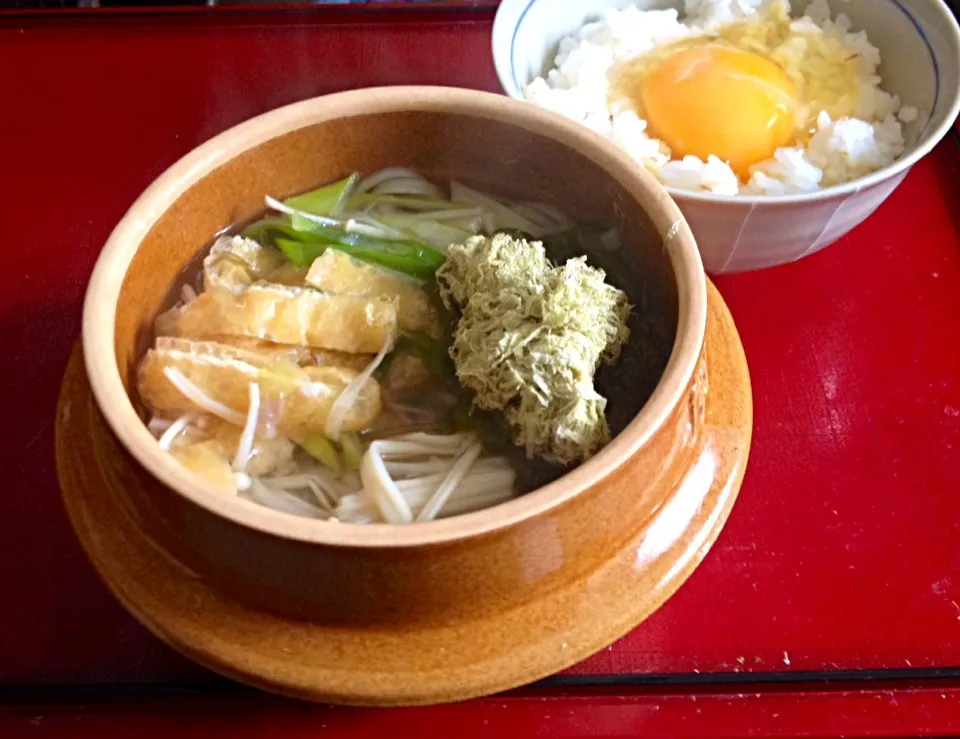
column 288, row 274
column 211, row 456
column 166, row 323
column 243, row 348
column 234, row 263
column 338, row 273
column 303, row 396
column 291, row 315
column 327, row 358
column 266, row 456
column 262, row 353
column 206, row 459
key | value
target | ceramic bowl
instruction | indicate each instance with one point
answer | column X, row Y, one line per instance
column 920, row 44
column 451, row 571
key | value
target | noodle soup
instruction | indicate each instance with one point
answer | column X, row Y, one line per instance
column 387, row 349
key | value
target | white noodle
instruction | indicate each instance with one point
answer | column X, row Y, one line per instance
column 352, row 480
column 449, row 484
column 478, row 490
column 318, row 478
column 353, row 509
column 543, row 214
column 245, row 446
column 422, row 445
column 343, row 404
column 434, row 468
column 409, row 205
column 382, row 489
column 418, row 492
column 348, row 482
column 200, row 398
column 173, row 431
column 477, row 500
column 493, row 476
column 440, row 440
column 400, row 470
column 504, row 216
column 398, row 181
column 489, row 223
column 279, row 500
column 534, row 216
column 401, row 186
column 434, row 476
column 390, row 173
column 439, row 215
column 440, row 235
column 391, row 449
column 321, row 495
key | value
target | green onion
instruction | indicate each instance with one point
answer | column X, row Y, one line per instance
column 337, row 235
column 301, row 253
column 352, row 449
column 266, row 231
column 413, row 261
column 392, row 255
column 325, row 201
column 322, row 449
column 305, row 227
column 403, row 255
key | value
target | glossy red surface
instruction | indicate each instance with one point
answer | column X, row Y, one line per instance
column 843, row 552
column 817, row 714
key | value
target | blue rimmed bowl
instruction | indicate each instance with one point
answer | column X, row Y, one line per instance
column 919, row 41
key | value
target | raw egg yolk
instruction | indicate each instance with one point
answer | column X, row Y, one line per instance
column 719, row 100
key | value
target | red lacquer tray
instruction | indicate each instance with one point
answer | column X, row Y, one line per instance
column 830, row 603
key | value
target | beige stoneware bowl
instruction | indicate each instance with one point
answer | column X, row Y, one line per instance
column 428, row 612
column 919, row 42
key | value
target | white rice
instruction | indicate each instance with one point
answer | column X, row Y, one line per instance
column 869, row 138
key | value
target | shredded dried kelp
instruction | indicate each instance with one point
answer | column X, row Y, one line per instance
column 530, row 338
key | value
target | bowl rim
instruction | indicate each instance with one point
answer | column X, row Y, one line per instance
column 503, row 62
column 100, row 309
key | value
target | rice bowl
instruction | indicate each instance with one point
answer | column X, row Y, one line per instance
column 920, row 45
column 847, row 125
